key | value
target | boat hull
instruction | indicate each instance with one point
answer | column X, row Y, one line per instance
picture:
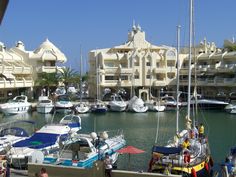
column 15, row 110
column 117, row 107
column 45, row 109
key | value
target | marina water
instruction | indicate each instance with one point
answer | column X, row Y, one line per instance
column 143, row 129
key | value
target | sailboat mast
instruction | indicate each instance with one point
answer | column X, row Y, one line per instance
column 177, row 82
column 190, row 56
column 96, row 66
column 80, row 74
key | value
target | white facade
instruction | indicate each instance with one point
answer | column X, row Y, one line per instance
column 19, row 68
column 215, row 70
column 135, row 65
column 147, row 68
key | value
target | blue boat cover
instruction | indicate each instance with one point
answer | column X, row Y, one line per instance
column 16, row 131
column 74, row 125
column 38, row 141
column 166, row 150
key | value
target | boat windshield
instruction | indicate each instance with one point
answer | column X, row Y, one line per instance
column 45, row 101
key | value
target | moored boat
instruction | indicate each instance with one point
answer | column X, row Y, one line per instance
column 231, row 107
column 82, row 150
column 44, row 105
column 17, row 105
column 44, row 141
column 99, row 107
column 188, row 153
column 228, row 168
column 117, row 104
column 155, row 106
column 11, row 133
column 137, row 105
column 63, row 104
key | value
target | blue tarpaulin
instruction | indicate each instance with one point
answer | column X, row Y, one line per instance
column 166, row 150
column 38, row 141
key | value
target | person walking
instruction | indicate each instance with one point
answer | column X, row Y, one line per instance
column 108, row 165
column 7, row 169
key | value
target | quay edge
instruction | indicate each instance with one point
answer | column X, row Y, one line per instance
column 97, row 171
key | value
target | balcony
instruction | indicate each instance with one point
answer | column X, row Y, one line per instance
column 159, row 82
column 159, row 70
column 229, row 81
column 48, row 69
column 112, row 70
column 6, row 69
column 16, row 83
column 126, row 70
column 203, row 68
column 171, row 69
column 227, row 68
column 22, row 70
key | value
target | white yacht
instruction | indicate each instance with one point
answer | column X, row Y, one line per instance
column 99, row 107
column 231, row 107
column 82, row 150
column 155, row 106
column 44, row 105
column 137, row 105
column 169, row 102
column 117, row 104
column 12, row 132
column 44, row 141
column 82, row 108
column 63, row 104
column 18, row 105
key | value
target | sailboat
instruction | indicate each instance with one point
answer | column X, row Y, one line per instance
column 81, row 107
column 98, row 106
column 175, row 158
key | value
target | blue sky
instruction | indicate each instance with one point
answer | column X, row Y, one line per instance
column 105, row 23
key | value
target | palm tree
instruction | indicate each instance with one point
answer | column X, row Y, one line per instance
column 47, row 80
column 67, row 76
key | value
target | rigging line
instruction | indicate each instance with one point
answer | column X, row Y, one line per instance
column 157, row 131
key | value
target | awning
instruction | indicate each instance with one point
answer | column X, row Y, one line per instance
column 8, row 76
column 166, row 150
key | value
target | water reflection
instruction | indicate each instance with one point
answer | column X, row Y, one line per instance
column 141, row 130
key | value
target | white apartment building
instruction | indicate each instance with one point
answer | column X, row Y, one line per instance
column 19, row 68
column 145, row 69
column 137, row 66
column 215, row 70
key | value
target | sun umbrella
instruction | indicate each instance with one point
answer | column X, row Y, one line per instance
column 130, row 150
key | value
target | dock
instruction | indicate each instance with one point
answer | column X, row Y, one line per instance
column 97, row 170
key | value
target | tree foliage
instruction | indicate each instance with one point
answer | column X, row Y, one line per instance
column 230, row 47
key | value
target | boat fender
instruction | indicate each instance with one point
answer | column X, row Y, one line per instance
column 206, row 167
column 193, row 172
column 211, row 162
column 151, row 162
column 186, row 157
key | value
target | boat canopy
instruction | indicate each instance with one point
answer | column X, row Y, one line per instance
column 166, row 150
column 16, row 131
column 38, row 141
